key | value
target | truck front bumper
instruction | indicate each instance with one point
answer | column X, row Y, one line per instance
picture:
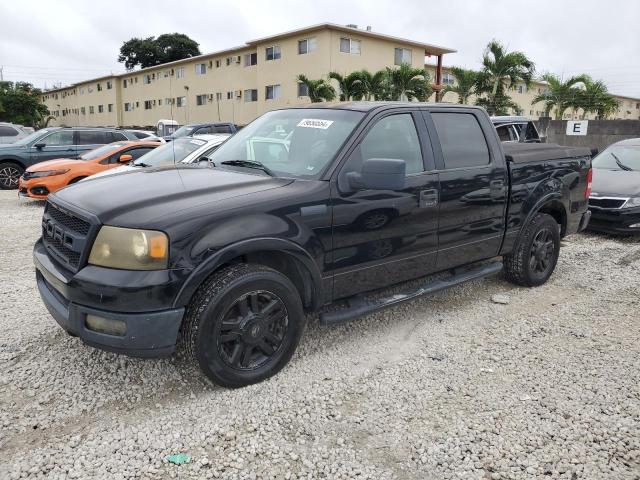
column 140, row 333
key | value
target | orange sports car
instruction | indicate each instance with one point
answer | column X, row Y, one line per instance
column 44, row 178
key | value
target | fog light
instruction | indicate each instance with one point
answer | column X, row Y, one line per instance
column 105, row 325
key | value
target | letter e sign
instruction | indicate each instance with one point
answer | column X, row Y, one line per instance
column 577, row 127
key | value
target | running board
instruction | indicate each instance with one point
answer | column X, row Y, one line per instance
column 359, row 306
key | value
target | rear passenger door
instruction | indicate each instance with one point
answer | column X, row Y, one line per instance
column 473, row 186
column 90, row 139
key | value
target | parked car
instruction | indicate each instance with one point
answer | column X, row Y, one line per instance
column 11, row 133
column 183, row 150
column 146, row 135
column 202, row 129
column 516, row 129
column 229, row 260
column 43, row 178
column 615, row 198
column 51, row 143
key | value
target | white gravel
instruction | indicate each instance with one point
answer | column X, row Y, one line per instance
column 544, row 385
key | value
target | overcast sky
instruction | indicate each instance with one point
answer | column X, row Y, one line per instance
column 46, row 42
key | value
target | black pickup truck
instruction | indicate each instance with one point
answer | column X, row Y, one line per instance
column 304, row 207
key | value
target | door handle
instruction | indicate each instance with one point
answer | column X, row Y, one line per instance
column 428, row 198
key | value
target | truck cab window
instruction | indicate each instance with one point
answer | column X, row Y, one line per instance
column 461, row 139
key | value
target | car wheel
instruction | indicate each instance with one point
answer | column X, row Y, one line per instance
column 535, row 255
column 9, row 175
column 243, row 325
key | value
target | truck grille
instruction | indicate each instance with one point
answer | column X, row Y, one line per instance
column 607, row 203
column 65, row 236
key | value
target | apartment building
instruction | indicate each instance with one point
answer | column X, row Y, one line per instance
column 237, row 84
column 629, row 108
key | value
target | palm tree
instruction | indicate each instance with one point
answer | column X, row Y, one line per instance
column 407, row 83
column 318, row 90
column 368, row 86
column 559, row 95
column 595, row 97
column 502, row 70
column 465, row 84
column 346, row 83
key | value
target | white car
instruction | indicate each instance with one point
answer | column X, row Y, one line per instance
column 11, row 133
column 181, row 150
column 147, row 135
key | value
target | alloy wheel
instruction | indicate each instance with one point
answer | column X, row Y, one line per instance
column 542, row 251
column 9, row 177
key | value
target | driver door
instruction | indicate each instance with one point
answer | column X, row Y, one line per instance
column 58, row 144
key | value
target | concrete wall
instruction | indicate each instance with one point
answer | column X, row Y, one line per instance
column 600, row 133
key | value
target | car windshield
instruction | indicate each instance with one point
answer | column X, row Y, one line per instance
column 170, row 153
column 101, row 151
column 295, row 142
column 619, row 157
column 182, row 132
column 34, row 136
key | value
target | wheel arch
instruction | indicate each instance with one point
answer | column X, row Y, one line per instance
column 283, row 256
column 14, row 161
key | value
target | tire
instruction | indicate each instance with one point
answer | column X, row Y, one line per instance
column 9, row 175
column 233, row 312
column 535, row 254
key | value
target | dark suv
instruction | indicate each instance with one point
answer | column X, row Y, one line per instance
column 50, row 143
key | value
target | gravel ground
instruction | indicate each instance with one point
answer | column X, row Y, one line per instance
column 543, row 384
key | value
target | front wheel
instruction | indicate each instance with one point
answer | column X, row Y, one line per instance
column 536, row 252
column 243, row 324
column 9, row 175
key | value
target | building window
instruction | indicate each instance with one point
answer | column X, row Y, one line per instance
column 201, row 100
column 219, row 96
column 135, row 79
column 217, row 63
column 83, row 111
column 201, row 69
column 250, row 59
column 251, row 95
column 168, row 101
column 402, row 55
column 521, row 89
column 307, row 45
column 127, row 107
column 147, row 104
column 303, row 90
column 181, row 101
column 146, row 79
column 272, row 53
column 448, row 79
column 349, row 45
column 180, row 72
column 99, row 87
column 272, row 92
column 229, row 95
column 110, row 108
column 100, row 108
column 91, row 110
column 124, row 85
column 109, row 85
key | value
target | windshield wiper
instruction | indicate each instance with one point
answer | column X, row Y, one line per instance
column 620, row 164
column 249, row 164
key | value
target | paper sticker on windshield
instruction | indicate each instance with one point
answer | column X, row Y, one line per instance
column 315, row 123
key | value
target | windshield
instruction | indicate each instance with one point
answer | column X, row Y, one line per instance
column 182, row 132
column 101, row 151
column 295, row 142
column 34, row 136
column 619, row 157
column 170, row 153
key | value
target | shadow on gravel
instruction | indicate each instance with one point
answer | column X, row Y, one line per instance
column 23, row 202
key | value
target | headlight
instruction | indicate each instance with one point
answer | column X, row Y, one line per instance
column 47, row 173
column 130, row 249
column 632, row 202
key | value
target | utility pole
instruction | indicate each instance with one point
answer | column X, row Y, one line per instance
column 1, row 73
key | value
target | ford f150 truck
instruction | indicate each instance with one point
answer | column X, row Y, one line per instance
column 304, row 207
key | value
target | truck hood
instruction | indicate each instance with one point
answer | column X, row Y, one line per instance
column 58, row 163
column 615, row 183
column 137, row 198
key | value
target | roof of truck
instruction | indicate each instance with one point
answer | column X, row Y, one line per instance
column 368, row 106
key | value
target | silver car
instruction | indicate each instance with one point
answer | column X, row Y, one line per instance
column 11, row 133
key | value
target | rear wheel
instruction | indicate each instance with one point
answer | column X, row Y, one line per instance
column 536, row 252
column 243, row 325
column 9, row 175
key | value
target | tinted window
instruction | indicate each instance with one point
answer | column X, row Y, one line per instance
column 505, row 133
column 115, row 137
column 531, row 132
column 203, row 131
column 8, row 131
column 221, row 129
column 461, row 139
column 172, row 152
column 100, row 151
column 394, row 136
column 138, row 152
column 64, row 137
column 95, row 137
column 140, row 135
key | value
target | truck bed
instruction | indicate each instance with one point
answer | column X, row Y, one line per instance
column 538, row 152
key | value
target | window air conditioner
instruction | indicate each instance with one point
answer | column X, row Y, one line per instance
column 238, row 93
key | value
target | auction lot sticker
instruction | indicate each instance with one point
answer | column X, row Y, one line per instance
column 315, row 123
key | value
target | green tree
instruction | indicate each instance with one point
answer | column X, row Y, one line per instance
column 559, row 95
column 21, row 103
column 150, row 51
column 595, row 97
column 465, row 85
column 407, row 83
column 318, row 90
column 370, row 86
column 501, row 71
column 346, row 84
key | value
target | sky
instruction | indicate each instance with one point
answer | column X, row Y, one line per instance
column 47, row 42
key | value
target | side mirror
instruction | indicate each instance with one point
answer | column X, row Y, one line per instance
column 379, row 174
column 40, row 146
column 125, row 158
column 205, row 162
